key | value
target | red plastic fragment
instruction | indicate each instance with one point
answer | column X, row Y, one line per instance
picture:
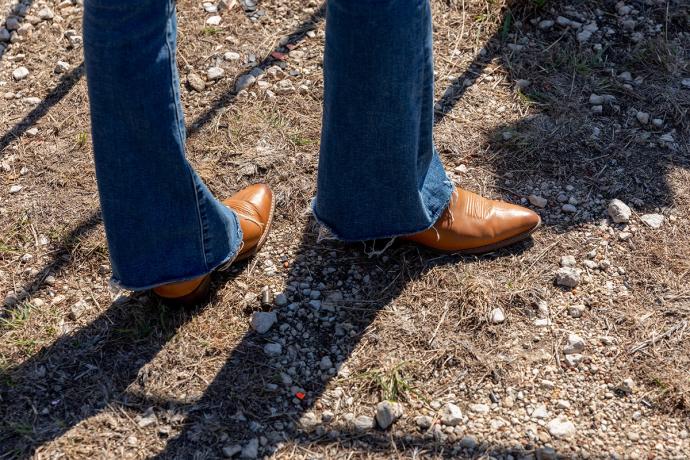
column 278, row 55
column 300, row 395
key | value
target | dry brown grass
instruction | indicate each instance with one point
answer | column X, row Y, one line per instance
column 419, row 329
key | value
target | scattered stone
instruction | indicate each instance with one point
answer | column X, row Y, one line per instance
column 273, row 349
column 642, row 117
column 61, row 67
column 75, row 40
column 231, row 451
column 45, row 14
column 653, row 220
column 424, row 422
column 315, row 304
column 468, row 442
column 568, row 277
column 497, row 316
column 584, row 36
column 576, row 344
column 77, row 310
column 363, row 423
column 231, row 56
column 196, row 82
column 573, row 360
column 147, row 418
column 451, row 415
column 32, row 100
column 12, row 23
column 251, row 449
column 262, row 321
column 591, row 264
column 568, row 261
column 215, row 73
column 542, row 322
column 226, row 4
column 280, row 300
column 563, row 404
column 576, row 311
column 625, row 76
column 244, row 82
column 538, row 201
column 595, row 99
column 569, row 208
column 563, row 21
column 16, row 188
column 540, row 412
column 619, row 211
column 20, row 73
column 309, row 421
column 546, row 24
column 626, row 387
column 325, row 363
column 25, row 30
column 479, row 408
column 561, row 427
column 387, row 413
column 284, row 87
column 214, row 20
column 685, row 82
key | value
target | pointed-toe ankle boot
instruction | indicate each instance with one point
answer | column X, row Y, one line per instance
column 254, row 208
column 474, row 225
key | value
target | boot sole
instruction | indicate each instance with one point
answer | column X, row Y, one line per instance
column 198, row 295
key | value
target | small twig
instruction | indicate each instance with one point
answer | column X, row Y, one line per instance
column 438, row 326
column 649, row 342
column 537, row 260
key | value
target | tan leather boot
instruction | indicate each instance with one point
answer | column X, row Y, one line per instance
column 473, row 225
column 254, row 207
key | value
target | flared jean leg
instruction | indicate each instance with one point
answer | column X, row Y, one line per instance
column 379, row 174
column 162, row 223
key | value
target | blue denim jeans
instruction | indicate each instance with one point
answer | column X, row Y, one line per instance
column 379, row 175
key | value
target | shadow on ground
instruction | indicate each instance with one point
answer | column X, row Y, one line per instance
column 608, row 155
column 97, row 367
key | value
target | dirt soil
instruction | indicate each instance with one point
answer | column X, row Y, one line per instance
column 561, row 106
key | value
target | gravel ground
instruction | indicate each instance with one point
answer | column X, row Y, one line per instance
column 574, row 345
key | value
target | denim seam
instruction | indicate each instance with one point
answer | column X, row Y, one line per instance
column 203, row 219
column 174, row 91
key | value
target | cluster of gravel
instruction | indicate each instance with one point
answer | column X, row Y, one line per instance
column 27, row 17
column 565, row 394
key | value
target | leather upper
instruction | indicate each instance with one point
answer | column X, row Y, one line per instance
column 473, row 222
column 253, row 205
